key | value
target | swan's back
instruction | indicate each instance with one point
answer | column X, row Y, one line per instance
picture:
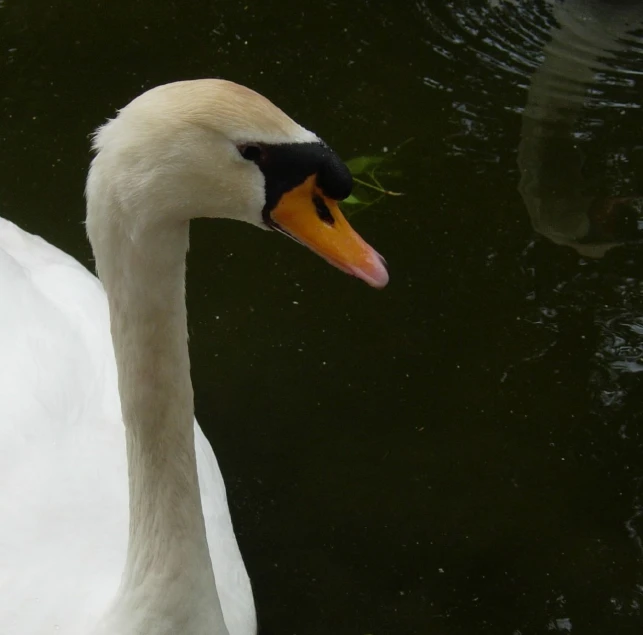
column 63, row 469
column 57, row 381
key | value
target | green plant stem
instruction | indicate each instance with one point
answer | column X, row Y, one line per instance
column 376, row 188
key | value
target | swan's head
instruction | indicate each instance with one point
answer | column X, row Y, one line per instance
column 212, row 148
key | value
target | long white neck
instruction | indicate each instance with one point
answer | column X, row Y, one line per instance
column 168, row 584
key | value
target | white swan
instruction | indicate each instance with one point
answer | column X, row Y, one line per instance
column 79, row 553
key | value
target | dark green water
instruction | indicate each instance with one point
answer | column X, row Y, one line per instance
column 463, row 452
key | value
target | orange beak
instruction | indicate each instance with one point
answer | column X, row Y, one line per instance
column 314, row 220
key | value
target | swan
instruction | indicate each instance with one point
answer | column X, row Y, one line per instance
column 113, row 511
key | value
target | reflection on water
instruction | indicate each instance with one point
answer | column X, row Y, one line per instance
column 564, row 205
column 561, row 204
column 571, row 72
column 492, row 49
column 598, row 46
column 564, row 110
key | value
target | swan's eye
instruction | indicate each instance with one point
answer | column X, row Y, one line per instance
column 322, row 211
column 250, row 152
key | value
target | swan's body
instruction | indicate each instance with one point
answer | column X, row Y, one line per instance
column 83, row 548
column 63, row 465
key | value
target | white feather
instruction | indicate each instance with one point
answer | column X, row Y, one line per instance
column 64, row 516
column 63, row 466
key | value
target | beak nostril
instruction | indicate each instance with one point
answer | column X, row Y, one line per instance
column 322, row 210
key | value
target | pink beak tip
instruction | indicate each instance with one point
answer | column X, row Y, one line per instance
column 375, row 273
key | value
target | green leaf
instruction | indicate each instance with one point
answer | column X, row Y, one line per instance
column 352, row 200
column 359, row 165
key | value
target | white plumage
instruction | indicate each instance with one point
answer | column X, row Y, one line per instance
column 108, row 488
column 63, row 465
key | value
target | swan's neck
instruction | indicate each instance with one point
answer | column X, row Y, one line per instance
column 168, row 576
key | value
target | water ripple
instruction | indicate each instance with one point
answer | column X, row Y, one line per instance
column 580, row 53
